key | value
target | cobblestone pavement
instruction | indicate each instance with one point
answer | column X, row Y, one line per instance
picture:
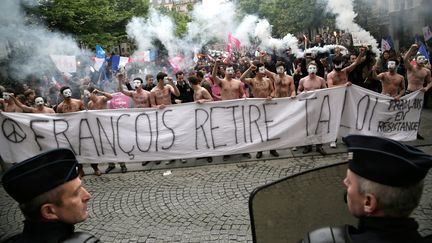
column 201, row 203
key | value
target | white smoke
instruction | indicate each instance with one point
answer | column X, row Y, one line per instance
column 344, row 11
column 324, row 49
column 25, row 48
column 210, row 21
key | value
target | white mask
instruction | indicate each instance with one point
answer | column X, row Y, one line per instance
column 339, row 67
column 86, row 94
column 261, row 69
column 391, row 64
column 67, row 93
column 312, row 69
column 6, row 96
column 421, row 59
column 229, row 70
column 39, row 101
column 166, row 81
column 137, row 83
column 280, row 69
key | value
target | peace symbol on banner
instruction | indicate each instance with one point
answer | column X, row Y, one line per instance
column 12, row 131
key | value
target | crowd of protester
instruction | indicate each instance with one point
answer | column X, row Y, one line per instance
column 250, row 73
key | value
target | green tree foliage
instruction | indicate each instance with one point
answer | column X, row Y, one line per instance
column 90, row 21
column 289, row 16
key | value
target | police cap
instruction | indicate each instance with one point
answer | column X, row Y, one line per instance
column 386, row 161
column 41, row 173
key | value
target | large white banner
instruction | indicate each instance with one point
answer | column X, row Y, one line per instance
column 210, row 129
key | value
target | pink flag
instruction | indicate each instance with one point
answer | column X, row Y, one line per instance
column 175, row 63
column 233, row 40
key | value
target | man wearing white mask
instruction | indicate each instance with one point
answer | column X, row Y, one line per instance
column 8, row 103
column 40, row 106
column 69, row 104
column 393, row 84
column 418, row 74
column 339, row 75
column 140, row 96
column 283, row 83
column 309, row 83
column 231, row 89
column 262, row 87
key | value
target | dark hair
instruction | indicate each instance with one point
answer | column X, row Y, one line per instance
column 394, row 59
column 138, row 78
column 200, row 74
column 90, row 89
column 280, row 63
column 28, row 92
column 161, row 76
column 337, row 60
column 63, row 89
column 9, row 90
column 193, row 80
column 179, row 73
column 148, row 76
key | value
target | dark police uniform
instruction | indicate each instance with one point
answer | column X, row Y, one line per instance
column 386, row 162
column 34, row 176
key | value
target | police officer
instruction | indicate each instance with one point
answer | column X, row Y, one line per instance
column 50, row 196
column 384, row 183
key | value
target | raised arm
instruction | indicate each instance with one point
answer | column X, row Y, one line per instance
column 107, row 96
column 21, row 105
column 357, row 61
column 244, row 76
column 214, row 74
column 125, row 92
column 408, row 56
column 173, row 88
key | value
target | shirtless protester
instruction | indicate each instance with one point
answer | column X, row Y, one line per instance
column 99, row 103
column 39, row 103
column 8, row 103
column 70, row 104
column 140, row 96
column 160, row 97
column 339, row 75
column 393, row 84
column 231, row 89
column 309, row 83
column 417, row 75
column 262, row 87
column 201, row 95
column 283, row 83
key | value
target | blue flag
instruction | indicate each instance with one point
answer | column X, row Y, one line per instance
column 115, row 61
column 390, row 42
column 100, row 53
column 422, row 48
